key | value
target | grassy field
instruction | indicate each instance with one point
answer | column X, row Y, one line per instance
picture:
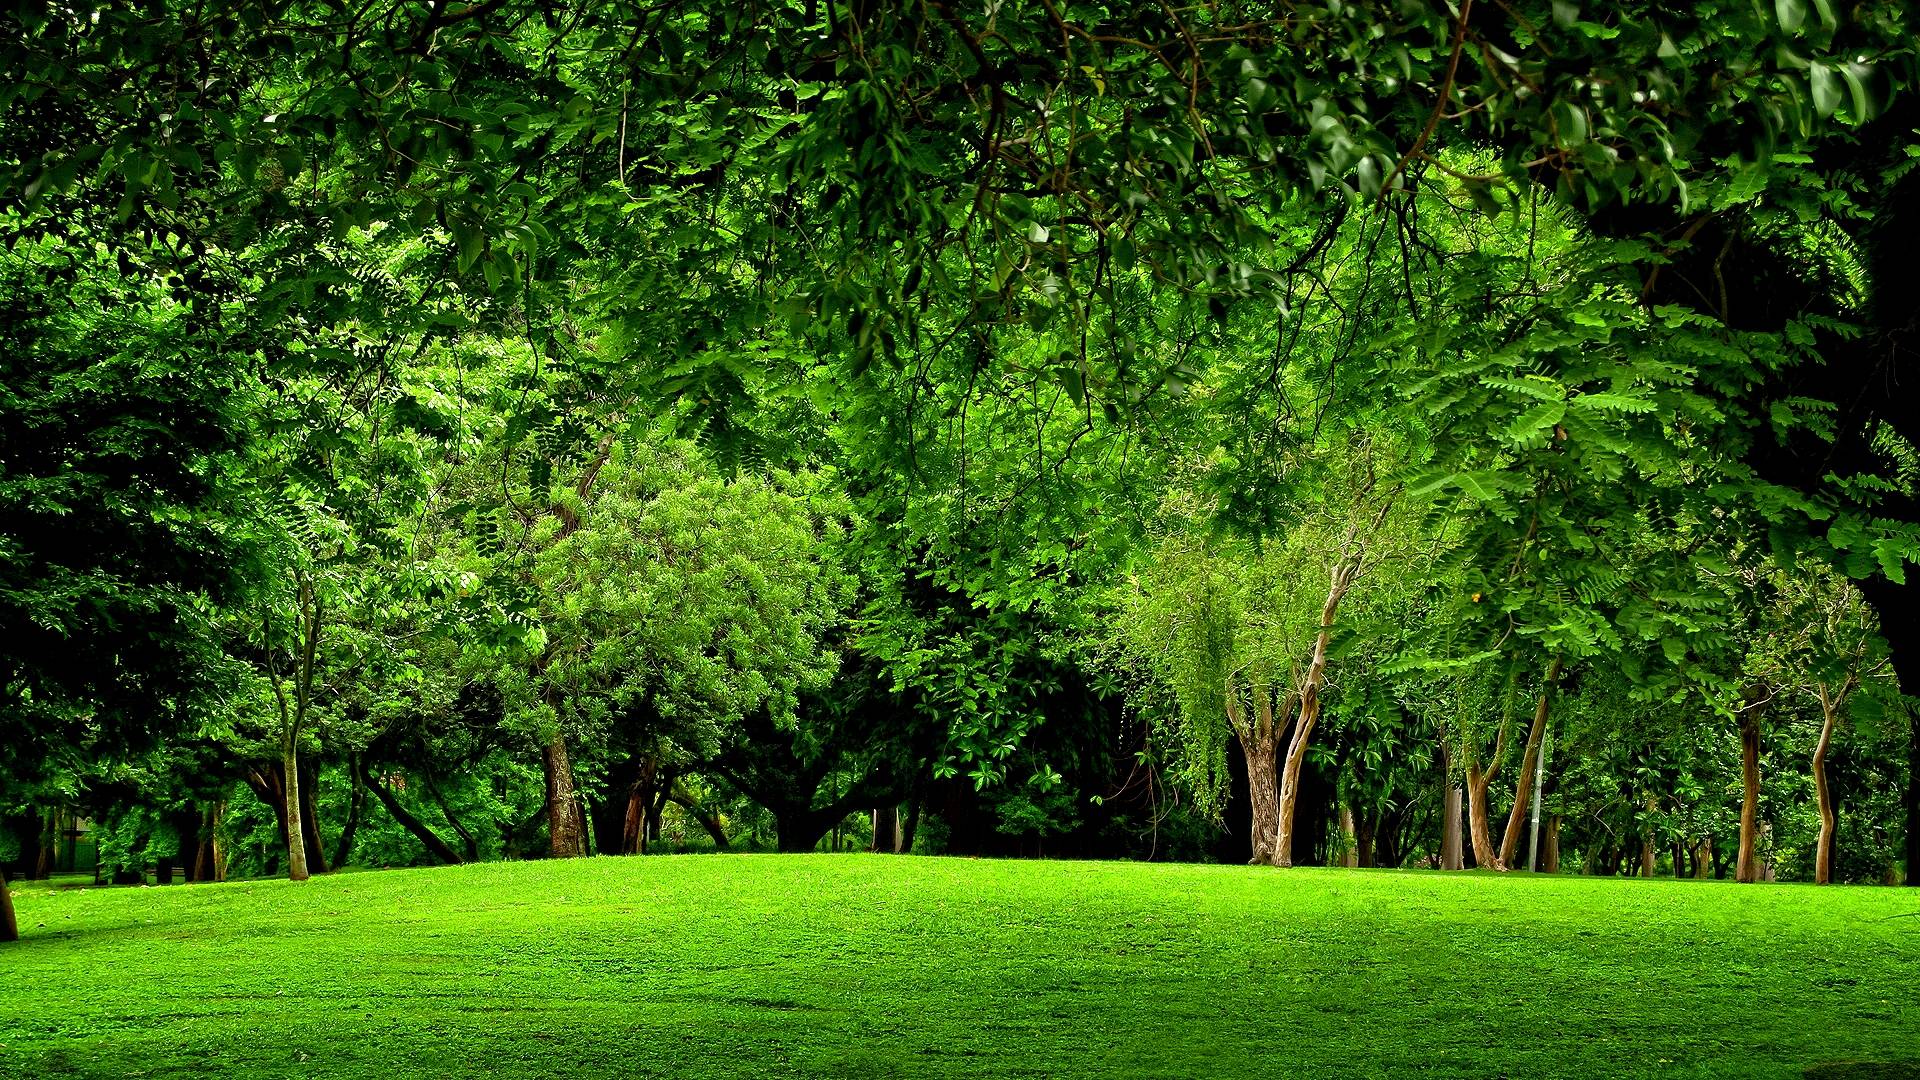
column 870, row 966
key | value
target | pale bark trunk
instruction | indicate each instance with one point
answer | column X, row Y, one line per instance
column 1748, row 870
column 290, row 788
column 1829, row 814
column 563, row 810
column 1702, row 860
column 1350, row 843
column 1523, row 788
column 1342, row 579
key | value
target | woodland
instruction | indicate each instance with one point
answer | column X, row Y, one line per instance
column 1408, row 434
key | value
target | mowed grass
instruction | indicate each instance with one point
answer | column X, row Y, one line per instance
column 874, row 966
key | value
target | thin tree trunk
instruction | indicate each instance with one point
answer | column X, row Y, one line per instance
column 435, row 846
column 914, row 809
column 218, row 844
column 356, row 798
column 467, row 839
column 1702, row 860
column 290, row 790
column 1649, row 861
column 1450, row 829
column 48, row 854
column 1748, row 869
column 1344, row 572
column 1523, row 786
column 310, row 824
column 1550, row 846
column 1829, row 814
column 563, row 809
column 707, row 821
column 9, row 925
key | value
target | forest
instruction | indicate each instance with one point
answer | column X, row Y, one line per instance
column 1400, row 435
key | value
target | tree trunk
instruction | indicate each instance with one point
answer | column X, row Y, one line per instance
column 1349, row 840
column 1523, row 785
column 1648, row 859
column 9, row 926
column 1365, row 831
column 1479, row 820
column 633, row 826
column 49, row 852
column 886, row 830
column 1450, row 838
column 1748, row 869
column 310, row 824
column 1702, row 860
column 914, row 809
column 707, row 821
column 356, row 797
column 206, row 856
column 1550, row 846
column 1344, row 572
column 1829, row 815
column 1264, row 793
column 435, row 846
column 290, row 790
column 218, row 845
column 563, row 809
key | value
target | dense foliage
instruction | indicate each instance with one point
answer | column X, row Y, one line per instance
column 440, row 432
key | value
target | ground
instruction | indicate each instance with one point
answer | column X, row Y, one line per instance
column 875, row 966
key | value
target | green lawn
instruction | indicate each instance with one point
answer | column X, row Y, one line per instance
column 870, row 966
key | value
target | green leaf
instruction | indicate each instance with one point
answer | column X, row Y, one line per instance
column 1535, row 420
column 1791, row 13
column 1826, row 89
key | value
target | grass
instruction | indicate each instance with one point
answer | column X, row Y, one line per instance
column 874, row 966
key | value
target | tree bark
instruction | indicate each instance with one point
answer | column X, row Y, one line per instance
column 435, row 846
column 1523, row 785
column 1264, row 793
column 1479, row 819
column 1343, row 574
column 563, row 810
column 9, row 925
column 886, row 830
column 49, row 848
column 1550, row 846
column 1702, row 860
column 707, row 821
column 915, row 807
column 290, row 790
column 209, row 863
column 1829, row 814
column 1748, row 869
column 310, row 824
column 1450, row 828
column 356, row 796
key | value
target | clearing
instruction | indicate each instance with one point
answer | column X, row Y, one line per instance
column 872, row 966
